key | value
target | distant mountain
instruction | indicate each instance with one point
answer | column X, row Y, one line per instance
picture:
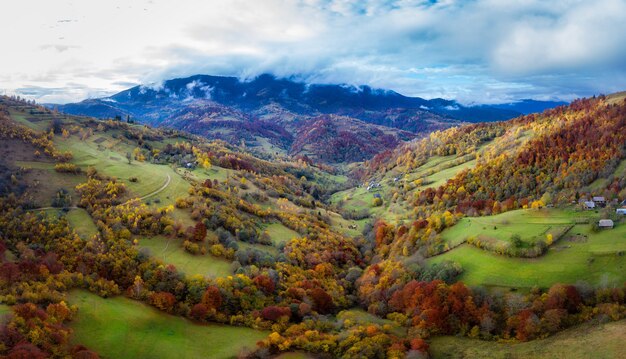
column 280, row 112
column 528, row 106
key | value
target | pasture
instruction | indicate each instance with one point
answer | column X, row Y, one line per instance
column 434, row 173
column 82, row 223
column 597, row 258
column 528, row 224
column 122, row 328
column 590, row 340
column 170, row 251
column 280, row 234
column 111, row 161
column 4, row 310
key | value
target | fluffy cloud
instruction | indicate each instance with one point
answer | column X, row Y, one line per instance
column 480, row 51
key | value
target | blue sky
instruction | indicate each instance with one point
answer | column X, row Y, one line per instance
column 481, row 51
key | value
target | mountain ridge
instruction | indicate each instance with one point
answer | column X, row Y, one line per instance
column 279, row 111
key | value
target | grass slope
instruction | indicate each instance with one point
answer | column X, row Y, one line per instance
column 436, row 171
column 528, row 224
column 280, row 234
column 170, row 251
column 5, row 310
column 123, row 328
column 82, row 223
column 108, row 157
column 589, row 340
column 595, row 259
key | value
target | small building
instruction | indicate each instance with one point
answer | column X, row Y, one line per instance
column 377, row 195
column 605, row 223
column 599, row 200
column 589, row 205
column 621, row 211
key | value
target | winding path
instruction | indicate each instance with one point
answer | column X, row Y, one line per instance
column 167, row 183
column 48, row 208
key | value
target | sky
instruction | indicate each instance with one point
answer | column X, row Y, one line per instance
column 480, row 51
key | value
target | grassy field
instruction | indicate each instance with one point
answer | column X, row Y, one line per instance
column 43, row 191
column 36, row 122
column 43, row 181
column 123, row 328
column 580, row 255
column 184, row 216
column 529, row 224
column 213, row 173
column 280, row 234
column 4, row 311
column 604, row 341
column 342, row 225
column 436, row 171
column 601, row 183
column 440, row 177
column 170, row 251
column 82, row 223
column 108, row 157
column 261, row 247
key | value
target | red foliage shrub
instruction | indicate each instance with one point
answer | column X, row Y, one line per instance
column 322, row 301
column 264, row 283
column 274, row 313
column 212, row 298
column 199, row 311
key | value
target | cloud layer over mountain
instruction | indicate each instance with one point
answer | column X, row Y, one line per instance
column 483, row 51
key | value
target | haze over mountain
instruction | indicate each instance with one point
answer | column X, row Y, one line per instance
column 481, row 51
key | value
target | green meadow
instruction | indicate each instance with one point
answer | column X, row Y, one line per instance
column 122, row 328
column 590, row 340
column 280, row 234
column 528, row 224
column 581, row 254
column 170, row 251
column 82, row 223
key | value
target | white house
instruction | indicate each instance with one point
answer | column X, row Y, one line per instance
column 605, row 223
column 589, row 205
column 621, row 211
column 599, row 200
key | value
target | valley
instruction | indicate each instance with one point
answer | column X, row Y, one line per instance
column 162, row 240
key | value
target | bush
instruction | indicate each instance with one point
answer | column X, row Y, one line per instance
column 516, row 240
column 192, row 248
column 67, row 168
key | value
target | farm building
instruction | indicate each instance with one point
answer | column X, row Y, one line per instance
column 599, row 200
column 589, row 205
column 605, row 223
column 621, row 211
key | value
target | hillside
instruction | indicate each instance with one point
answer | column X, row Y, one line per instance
column 271, row 114
column 503, row 200
column 475, row 231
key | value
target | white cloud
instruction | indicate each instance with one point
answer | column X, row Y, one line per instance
column 480, row 51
